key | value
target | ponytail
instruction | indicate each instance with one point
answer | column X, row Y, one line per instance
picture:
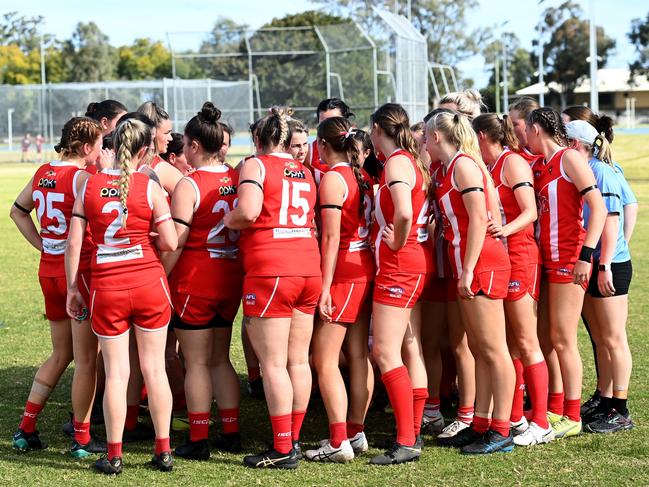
column 496, row 129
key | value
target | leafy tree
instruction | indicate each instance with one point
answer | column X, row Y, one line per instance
column 16, row 67
column 22, row 31
column 639, row 36
column 567, row 50
column 144, row 59
column 88, row 56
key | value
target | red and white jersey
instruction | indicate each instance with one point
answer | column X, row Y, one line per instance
column 124, row 257
column 317, row 166
column 456, row 227
column 521, row 246
column 440, row 246
column 210, row 255
column 560, row 229
column 416, row 256
column 529, row 157
column 282, row 242
column 54, row 190
column 355, row 261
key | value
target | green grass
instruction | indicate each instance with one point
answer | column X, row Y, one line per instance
column 589, row 459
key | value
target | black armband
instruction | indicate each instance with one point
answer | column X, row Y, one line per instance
column 80, row 216
column 586, row 254
column 22, row 208
column 586, row 190
column 251, row 181
column 392, row 183
column 524, row 184
column 182, row 222
column 611, row 195
column 472, row 189
column 332, row 207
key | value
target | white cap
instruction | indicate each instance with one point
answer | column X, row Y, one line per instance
column 582, row 131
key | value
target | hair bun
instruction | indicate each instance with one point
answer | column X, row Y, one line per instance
column 605, row 125
column 209, row 113
column 92, row 108
column 57, row 148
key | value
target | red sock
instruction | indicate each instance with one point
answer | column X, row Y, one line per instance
column 465, row 414
column 501, row 426
column 32, row 410
column 132, row 412
column 354, row 428
column 229, row 420
column 199, row 425
column 162, row 445
column 480, row 424
column 397, row 383
column 282, row 433
column 114, row 450
column 571, row 409
column 254, row 373
column 555, row 403
column 297, row 418
column 81, row 432
column 536, row 381
column 337, row 434
column 519, row 392
column 419, row 397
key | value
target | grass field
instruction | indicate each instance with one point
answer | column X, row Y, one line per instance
column 586, row 460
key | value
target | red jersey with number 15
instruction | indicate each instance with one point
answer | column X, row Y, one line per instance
column 124, row 257
column 54, row 190
column 416, row 256
column 282, row 242
column 210, row 256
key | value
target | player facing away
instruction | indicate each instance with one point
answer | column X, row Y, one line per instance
column 404, row 261
column 513, row 181
column 121, row 207
column 282, row 283
column 51, row 192
column 345, row 197
column 563, row 181
column 206, row 279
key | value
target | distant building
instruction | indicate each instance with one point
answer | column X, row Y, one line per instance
column 614, row 89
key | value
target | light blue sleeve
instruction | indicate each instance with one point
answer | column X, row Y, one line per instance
column 609, row 185
column 626, row 193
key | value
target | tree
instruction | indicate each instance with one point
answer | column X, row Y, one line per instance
column 18, row 68
column 144, row 59
column 639, row 36
column 88, row 56
column 22, row 31
column 567, row 50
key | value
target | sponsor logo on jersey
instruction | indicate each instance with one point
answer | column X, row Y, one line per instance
column 227, row 190
column 292, row 170
column 50, row 174
column 543, row 204
column 109, row 193
column 226, row 180
column 251, row 299
column 395, row 292
column 47, row 183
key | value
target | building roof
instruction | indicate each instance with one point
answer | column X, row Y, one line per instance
column 609, row 80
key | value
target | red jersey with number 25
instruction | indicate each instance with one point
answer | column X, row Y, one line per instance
column 282, row 242
column 416, row 256
column 210, row 255
column 124, row 257
column 560, row 226
column 54, row 190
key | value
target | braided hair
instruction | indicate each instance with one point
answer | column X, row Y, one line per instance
column 337, row 132
column 550, row 122
column 75, row 133
column 273, row 130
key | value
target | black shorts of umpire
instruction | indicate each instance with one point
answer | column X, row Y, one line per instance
column 622, row 273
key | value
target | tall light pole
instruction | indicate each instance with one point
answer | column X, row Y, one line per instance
column 541, row 72
column 10, row 129
column 594, row 96
column 42, row 107
column 505, row 72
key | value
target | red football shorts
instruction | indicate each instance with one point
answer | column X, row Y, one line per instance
column 561, row 274
column 83, row 282
column 112, row 312
column 349, row 300
column 196, row 310
column 525, row 279
column 493, row 284
column 277, row 297
column 55, row 291
column 401, row 290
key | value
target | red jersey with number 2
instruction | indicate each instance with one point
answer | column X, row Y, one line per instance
column 54, row 190
column 282, row 242
column 124, row 257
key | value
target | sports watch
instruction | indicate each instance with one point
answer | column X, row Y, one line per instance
column 604, row 267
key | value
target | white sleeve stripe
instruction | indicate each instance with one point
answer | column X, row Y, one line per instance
column 197, row 191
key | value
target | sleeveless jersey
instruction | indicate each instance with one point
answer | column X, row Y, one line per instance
column 210, row 256
column 54, row 190
column 560, row 228
column 355, row 260
column 521, row 246
column 529, row 157
column 318, row 167
column 282, row 242
column 456, row 226
column 416, row 256
column 440, row 246
column 124, row 258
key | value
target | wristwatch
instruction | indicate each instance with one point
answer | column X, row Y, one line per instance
column 604, row 267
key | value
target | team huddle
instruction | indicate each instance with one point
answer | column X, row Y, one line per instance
column 451, row 257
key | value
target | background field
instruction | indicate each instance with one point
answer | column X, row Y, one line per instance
column 24, row 344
